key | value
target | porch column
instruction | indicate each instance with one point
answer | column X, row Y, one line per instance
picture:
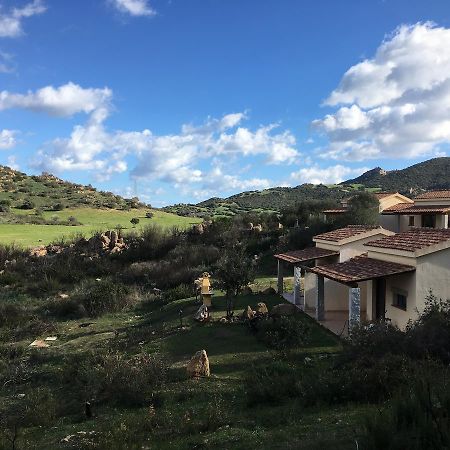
column 298, row 298
column 354, row 307
column 320, row 299
column 280, row 277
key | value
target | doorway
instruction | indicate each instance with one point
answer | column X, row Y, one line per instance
column 379, row 312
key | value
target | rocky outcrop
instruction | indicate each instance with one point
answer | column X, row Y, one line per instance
column 198, row 366
column 202, row 314
column 262, row 309
column 248, row 314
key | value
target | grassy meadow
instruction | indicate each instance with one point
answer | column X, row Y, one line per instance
column 207, row 413
column 91, row 219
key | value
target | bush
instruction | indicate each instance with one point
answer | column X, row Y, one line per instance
column 416, row 419
column 271, row 383
column 282, row 333
column 105, row 296
column 67, row 309
column 177, row 293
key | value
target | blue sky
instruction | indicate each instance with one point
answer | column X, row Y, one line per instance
column 181, row 100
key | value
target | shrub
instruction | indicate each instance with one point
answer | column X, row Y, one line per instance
column 177, row 293
column 64, row 309
column 416, row 419
column 271, row 383
column 282, row 333
column 105, row 296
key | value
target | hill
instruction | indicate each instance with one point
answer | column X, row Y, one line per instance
column 41, row 209
column 429, row 175
column 433, row 174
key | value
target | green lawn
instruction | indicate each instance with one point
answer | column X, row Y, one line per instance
column 92, row 220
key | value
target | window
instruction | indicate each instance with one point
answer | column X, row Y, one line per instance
column 411, row 221
column 400, row 299
column 429, row 221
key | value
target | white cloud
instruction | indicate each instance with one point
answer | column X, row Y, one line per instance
column 7, row 139
column 65, row 100
column 11, row 21
column 134, row 7
column 6, row 63
column 12, row 163
column 396, row 104
column 170, row 158
column 327, row 175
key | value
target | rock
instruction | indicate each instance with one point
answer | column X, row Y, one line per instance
column 262, row 309
column 248, row 314
column 258, row 228
column 38, row 343
column 284, row 309
column 114, row 239
column 269, row 291
column 63, row 296
column 198, row 366
column 39, row 251
column 198, row 228
column 247, row 291
column 202, row 314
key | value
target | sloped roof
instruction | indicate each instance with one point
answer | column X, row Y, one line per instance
column 345, row 233
column 361, row 268
column 305, row 255
column 407, row 208
column 413, row 239
column 434, row 194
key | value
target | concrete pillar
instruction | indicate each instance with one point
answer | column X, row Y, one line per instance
column 354, row 307
column 280, row 277
column 320, row 298
column 298, row 297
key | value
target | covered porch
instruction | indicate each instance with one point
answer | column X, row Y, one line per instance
column 360, row 282
column 298, row 261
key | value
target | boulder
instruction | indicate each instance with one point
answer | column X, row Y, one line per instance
column 284, row 309
column 262, row 309
column 202, row 314
column 39, row 251
column 198, row 366
column 248, row 314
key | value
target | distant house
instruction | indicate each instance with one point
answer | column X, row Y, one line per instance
column 430, row 210
column 386, row 201
column 359, row 274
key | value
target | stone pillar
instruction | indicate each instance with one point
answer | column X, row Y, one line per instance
column 298, row 298
column 280, row 277
column 354, row 307
column 320, row 299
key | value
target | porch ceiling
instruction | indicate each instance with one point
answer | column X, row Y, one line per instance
column 361, row 268
column 305, row 255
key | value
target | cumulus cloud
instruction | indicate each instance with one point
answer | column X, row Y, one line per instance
column 62, row 101
column 7, row 139
column 173, row 158
column 11, row 21
column 396, row 104
column 134, row 7
column 325, row 175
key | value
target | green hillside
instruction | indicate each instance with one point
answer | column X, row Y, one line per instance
column 41, row 209
column 433, row 174
column 429, row 175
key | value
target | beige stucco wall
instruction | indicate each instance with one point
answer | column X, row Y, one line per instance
column 432, row 201
column 390, row 222
column 387, row 202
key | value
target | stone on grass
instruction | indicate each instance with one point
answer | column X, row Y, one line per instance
column 284, row 309
column 262, row 308
column 198, row 366
column 202, row 314
column 248, row 313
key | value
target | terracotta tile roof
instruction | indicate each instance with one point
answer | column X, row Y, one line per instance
column 434, row 194
column 336, row 211
column 361, row 268
column 413, row 239
column 407, row 208
column 344, row 233
column 308, row 254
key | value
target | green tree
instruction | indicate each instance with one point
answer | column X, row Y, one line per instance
column 363, row 209
column 134, row 221
column 234, row 271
